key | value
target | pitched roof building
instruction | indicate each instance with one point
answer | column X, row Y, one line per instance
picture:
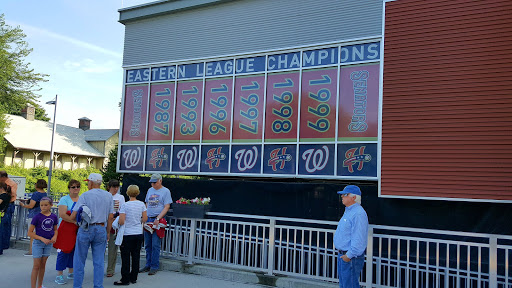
column 29, row 144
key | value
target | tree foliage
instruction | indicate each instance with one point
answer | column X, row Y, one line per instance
column 109, row 170
column 60, row 177
column 18, row 82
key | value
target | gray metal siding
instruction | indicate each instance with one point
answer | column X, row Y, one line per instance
column 248, row 26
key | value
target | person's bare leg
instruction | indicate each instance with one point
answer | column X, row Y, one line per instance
column 42, row 267
column 35, row 272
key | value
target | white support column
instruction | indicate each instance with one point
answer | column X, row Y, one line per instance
column 271, row 246
column 493, row 262
column 192, row 242
column 369, row 258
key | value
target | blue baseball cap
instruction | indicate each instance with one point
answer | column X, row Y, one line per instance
column 353, row 189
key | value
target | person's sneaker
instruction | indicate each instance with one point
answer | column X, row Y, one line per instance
column 70, row 276
column 60, row 280
column 28, row 254
column 145, row 269
column 152, row 272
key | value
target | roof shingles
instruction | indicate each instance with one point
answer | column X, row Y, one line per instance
column 37, row 135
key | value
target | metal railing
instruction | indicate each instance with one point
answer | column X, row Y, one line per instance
column 400, row 257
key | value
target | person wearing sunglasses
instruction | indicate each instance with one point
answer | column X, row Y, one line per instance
column 351, row 238
column 66, row 204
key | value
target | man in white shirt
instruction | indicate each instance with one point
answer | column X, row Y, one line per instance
column 158, row 202
column 113, row 188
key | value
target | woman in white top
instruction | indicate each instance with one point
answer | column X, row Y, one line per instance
column 131, row 214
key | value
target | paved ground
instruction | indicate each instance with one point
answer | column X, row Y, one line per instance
column 16, row 268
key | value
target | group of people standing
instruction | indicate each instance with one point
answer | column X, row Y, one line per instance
column 95, row 230
column 131, row 216
column 92, row 214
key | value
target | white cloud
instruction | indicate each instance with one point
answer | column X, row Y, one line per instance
column 45, row 33
column 91, row 66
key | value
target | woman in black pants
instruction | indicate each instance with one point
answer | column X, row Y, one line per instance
column 131, row 216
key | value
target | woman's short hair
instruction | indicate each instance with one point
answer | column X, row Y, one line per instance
column 41, row 184
column 6, row 188
column 112, row 183
column 73, row 182
column 133, row 191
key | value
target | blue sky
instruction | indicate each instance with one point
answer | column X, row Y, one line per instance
column 80, row 45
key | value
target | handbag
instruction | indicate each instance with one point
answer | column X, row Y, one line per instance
column 66, row 236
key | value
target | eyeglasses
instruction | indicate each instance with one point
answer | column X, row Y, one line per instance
column 345, row 195
column 74, row 187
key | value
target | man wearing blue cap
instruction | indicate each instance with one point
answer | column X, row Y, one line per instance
column 351, row 238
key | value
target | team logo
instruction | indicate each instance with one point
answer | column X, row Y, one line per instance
column 214, row 155
column 277, row 158
column 187, row 158
column 132, row 157
column 158, row 157
column 351, row 158
column 247, row 158
column 316, row 159
column 47, row 224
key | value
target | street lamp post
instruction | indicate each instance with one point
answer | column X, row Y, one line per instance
column 53, row 102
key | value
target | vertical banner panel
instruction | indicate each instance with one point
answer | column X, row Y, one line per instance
column 282, row 107
column 185, row 158
column 248, row 108
column 189, row 98
column 214, row 159
column 316, row 159
column 158, row 158
column 135, row 107
column 217, row 110
column 318, row 105
column 279, row 159
column 132, row 158
column 359, row 103
column 161, row 113
column 246, row 159
column 357, row 160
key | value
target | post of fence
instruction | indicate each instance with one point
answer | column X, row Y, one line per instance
column 493, row 261
column 369, row 258
column 192, row 241
column 20, row 222
column 271, row 245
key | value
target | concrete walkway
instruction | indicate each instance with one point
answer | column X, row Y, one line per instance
column 16, row 270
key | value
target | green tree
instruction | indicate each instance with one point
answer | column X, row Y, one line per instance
column 19, row 83
column 109, row 170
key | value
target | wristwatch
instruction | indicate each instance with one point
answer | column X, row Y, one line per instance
column 157, row 219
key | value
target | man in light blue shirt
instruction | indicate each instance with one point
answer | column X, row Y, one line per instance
column 351, row 238
column 101, row 205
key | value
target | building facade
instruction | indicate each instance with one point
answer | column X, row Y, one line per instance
column 29, row 144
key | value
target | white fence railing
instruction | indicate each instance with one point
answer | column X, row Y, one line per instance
column 400, row 257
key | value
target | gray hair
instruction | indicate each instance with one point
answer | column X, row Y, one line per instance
column 358, row 198
column 96, row 182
